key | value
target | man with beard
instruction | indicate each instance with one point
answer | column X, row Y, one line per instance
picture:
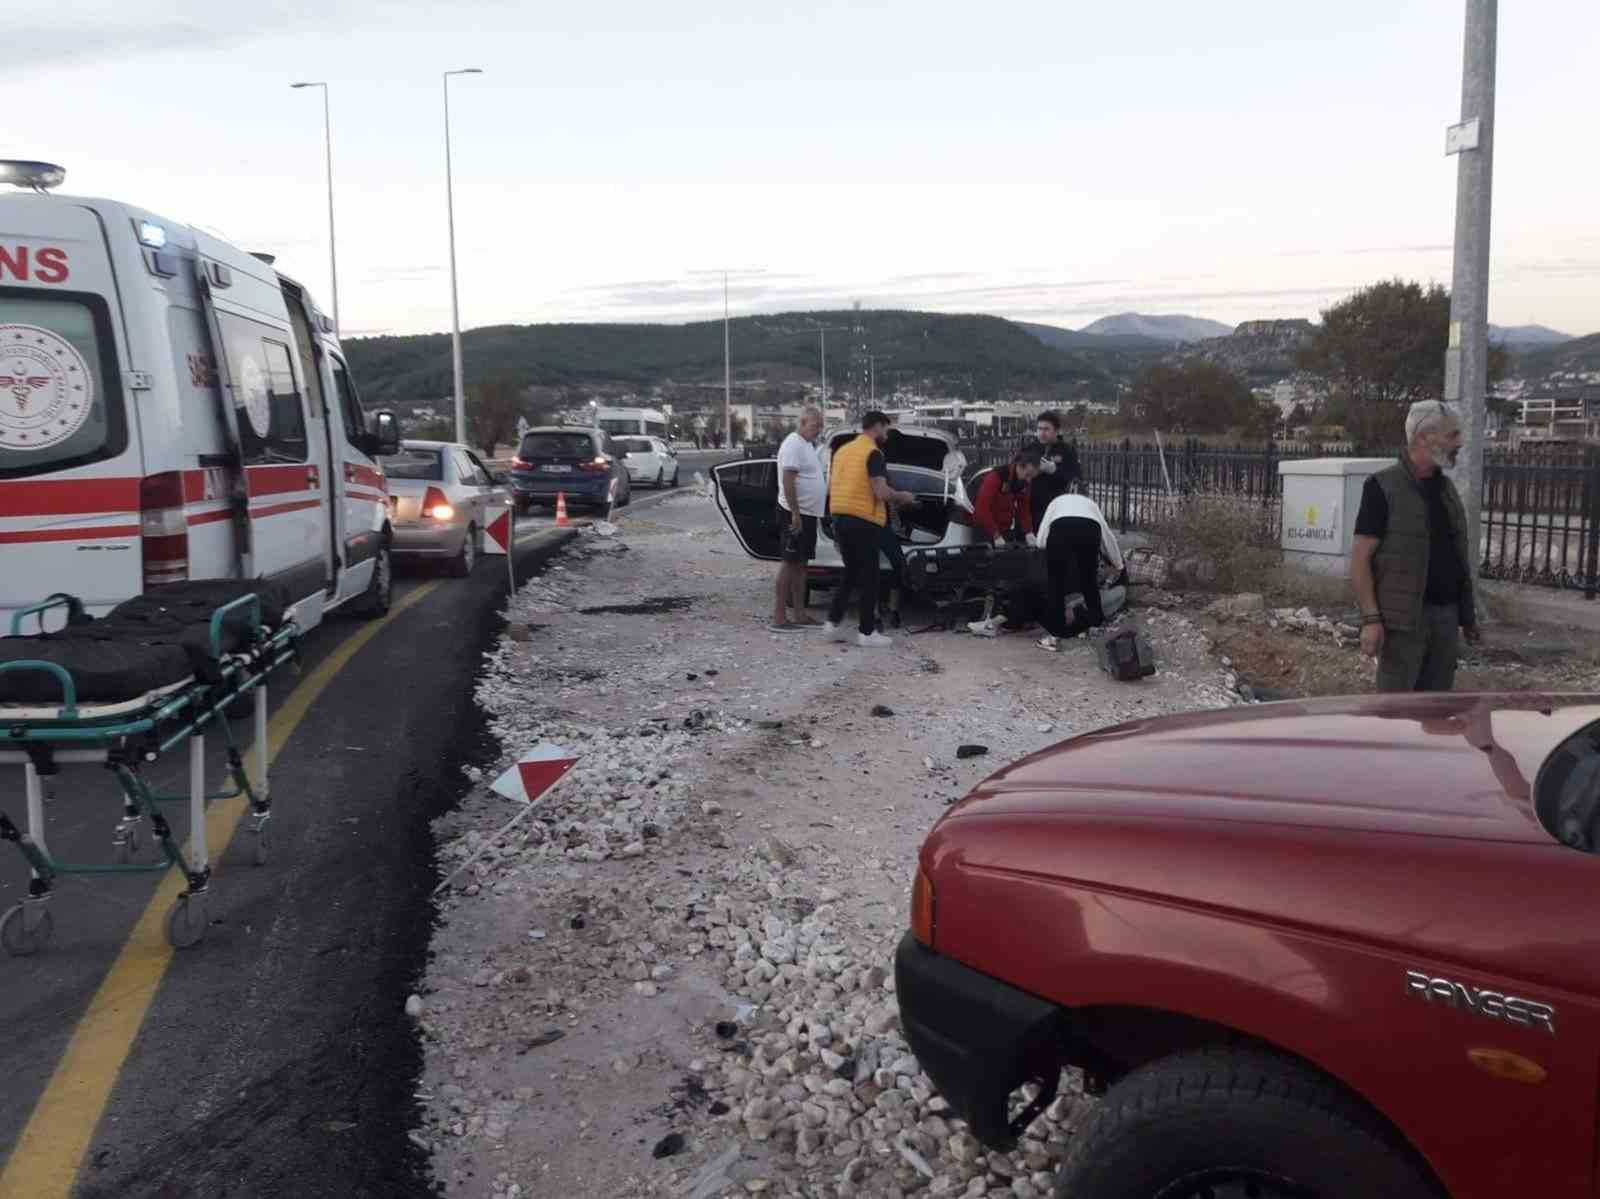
column 1410, row 565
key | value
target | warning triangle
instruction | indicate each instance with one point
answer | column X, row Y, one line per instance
column 535, row 772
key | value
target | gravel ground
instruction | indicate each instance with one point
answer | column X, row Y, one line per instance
column 675, row 978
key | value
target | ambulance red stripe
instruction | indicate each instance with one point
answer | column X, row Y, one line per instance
column 92, row 533
column 279, row 480
column 68, row 497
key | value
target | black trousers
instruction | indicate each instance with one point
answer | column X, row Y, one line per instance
column 858, row 541
column 1072, row 559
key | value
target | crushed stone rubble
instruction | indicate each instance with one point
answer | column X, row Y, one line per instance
column 645, row 878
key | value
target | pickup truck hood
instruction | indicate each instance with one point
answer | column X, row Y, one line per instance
column 1433, row 765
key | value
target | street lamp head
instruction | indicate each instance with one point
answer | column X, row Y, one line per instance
column 319, row 83
column 466, row 71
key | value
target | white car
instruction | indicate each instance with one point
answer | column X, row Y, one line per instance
column 649, row 460
column 442, row 497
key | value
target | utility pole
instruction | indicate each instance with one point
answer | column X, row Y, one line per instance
column 1466, row 373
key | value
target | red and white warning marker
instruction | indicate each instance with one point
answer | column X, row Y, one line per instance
column 500, row 533
column 532, row 775
column 534, row 772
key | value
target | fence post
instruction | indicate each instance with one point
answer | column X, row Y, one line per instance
column 1591, row 516
column 1127, row 455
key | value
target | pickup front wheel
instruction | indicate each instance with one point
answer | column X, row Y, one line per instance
column 1234, row 1124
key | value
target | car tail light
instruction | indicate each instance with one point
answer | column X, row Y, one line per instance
column 922, row 909
column 595, row 464
column 163, row 528
column 522, row 462
column 435, row 505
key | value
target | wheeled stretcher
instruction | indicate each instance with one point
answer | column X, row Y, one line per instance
column 161, row 670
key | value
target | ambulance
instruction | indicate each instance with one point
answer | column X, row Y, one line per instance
column 173, row 408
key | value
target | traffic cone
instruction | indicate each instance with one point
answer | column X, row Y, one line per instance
column 561, row 508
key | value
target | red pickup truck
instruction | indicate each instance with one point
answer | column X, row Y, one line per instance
column 1338, row 949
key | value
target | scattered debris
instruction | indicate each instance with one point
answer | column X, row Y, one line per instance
column 669, row 1146
column 882, row 710
column 971, row 751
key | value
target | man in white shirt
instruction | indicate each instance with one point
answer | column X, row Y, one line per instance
column 1074, row 537
column 802, row 492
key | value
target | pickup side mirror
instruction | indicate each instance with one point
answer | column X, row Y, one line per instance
column 385, row 435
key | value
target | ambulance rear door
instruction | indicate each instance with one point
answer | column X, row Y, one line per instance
column 70, row 465
column 281, row 441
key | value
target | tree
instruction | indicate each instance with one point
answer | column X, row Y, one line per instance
column 1380, row 351
column 492, row 411
column 1195, row 396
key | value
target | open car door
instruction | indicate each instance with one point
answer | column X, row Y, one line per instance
column 747, row 497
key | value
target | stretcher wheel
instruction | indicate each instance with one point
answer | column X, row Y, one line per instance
column 186, row 923
column 263, row 843
column 127, row 844
column 24, row 933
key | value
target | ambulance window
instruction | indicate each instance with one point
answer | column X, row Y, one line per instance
column 355, row 420
column 60, row 393
column 272, row 423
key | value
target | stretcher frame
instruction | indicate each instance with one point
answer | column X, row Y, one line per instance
column 125, row 738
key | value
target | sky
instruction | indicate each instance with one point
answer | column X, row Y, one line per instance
column 1043, row 160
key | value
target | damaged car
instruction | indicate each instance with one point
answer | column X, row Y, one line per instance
column 948, row 559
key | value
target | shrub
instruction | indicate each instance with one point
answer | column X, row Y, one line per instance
column 1216, row 540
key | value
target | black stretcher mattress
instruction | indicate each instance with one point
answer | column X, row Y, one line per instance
column 143, row 644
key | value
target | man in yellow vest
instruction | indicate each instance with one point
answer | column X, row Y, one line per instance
column 859, row 496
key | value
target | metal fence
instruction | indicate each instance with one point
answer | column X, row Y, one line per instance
column 1540, row 521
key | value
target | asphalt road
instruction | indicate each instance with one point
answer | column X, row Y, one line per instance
column 274, row 1059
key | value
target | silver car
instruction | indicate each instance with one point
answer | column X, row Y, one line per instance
column 441, row 494
column 650, row 460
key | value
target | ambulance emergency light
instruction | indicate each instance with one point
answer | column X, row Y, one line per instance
column 35, row 176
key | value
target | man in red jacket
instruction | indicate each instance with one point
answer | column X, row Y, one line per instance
column 1002, row 508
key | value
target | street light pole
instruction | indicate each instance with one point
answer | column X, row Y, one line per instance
column 727, row 371
column 1466, row 375
column 327, row 147
column 455, row 305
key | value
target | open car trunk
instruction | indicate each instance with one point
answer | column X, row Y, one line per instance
column 923, row 462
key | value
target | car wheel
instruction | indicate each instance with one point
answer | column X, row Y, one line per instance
column 1231, row 1124
column 661, row 478
column 461, row 565
column 374, row 601
column 674, row 482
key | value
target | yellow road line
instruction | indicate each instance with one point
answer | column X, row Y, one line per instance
column 44, row 1162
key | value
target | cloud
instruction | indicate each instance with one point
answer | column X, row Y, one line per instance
column 71, row 31
column 1334, row 252
column 399, row 274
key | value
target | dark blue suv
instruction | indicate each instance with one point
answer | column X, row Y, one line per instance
column 585, row 465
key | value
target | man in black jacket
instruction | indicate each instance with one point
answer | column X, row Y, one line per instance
column 1059, row 471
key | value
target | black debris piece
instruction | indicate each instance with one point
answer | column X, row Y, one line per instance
column 882, row 710
column 971, row 751
column 727, row 1029
column 669, row 1146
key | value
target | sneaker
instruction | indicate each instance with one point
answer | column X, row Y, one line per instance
column 833, row 632
column 986, row 628
column 1048, row 642
column 873, row 641
column 785, row 627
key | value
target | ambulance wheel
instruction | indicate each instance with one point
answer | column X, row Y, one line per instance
column 375, row 601
column 23, row 933
column 186, row 922
column 263, row 843
column 461, row 565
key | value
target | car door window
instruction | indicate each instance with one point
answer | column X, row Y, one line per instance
column 355, row 420
column 485, row 476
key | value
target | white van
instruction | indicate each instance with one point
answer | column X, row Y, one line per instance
column 173, row 408
column 631, row 422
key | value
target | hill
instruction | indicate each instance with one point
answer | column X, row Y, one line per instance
column 1578, row 354
column 1526, row 335
column 1118, row 355
column 1161, row 327
column 930, row 350
column 1258, row 350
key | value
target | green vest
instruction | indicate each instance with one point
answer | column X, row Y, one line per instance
column 1400, row 567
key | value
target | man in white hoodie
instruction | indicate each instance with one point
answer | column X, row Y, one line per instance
column 1074, row 536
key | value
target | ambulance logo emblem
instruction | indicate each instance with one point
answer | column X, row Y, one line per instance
column 46, row 388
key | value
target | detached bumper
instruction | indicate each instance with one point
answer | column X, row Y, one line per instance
column 978, row 1039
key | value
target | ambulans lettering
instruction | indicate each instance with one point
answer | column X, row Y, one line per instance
column 46, row 388
column 47, row 265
